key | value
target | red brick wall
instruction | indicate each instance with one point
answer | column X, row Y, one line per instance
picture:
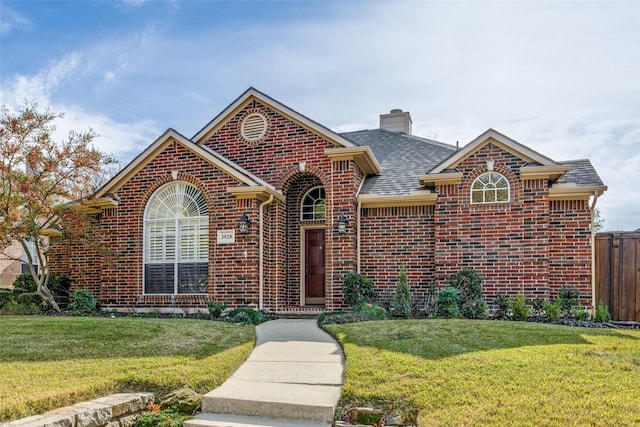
column 570, row 249
column 233, row 274
column 395, row 235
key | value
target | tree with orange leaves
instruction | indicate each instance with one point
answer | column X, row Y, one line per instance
column 38, row 179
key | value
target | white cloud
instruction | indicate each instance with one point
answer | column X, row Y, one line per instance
column 13, row 21
column 122, row 139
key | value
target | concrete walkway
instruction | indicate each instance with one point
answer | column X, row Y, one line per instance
column 293, row 377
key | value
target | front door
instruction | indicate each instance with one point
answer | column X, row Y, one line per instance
column 314, row 267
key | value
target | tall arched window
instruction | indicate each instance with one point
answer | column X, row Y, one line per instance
column 490, row 187
column 313, row 205
column 176, row 241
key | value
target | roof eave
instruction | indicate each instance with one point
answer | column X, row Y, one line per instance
column 451, row 178
column 259, row 192
column 362, row 156
column 282, row 109
column 415, row 198
column 499, row 139
column 574, row 192
column 156, row 148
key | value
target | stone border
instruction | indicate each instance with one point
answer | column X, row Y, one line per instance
column 116, row 410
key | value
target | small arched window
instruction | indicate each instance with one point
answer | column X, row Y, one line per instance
column 313, row 205
column 176, row 240
column 490, row 187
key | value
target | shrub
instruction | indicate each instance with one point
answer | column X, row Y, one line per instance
column 160, row 418
column 581, row 313
column 402, row 301
column 568, row 298
column 448, row 303
column 470, row 285
column 216, row 308
column 24, row 288
column 358, row 289
column 371, row 312
column 246, row 316
column 519, row 309
column 502, row 307
column 14, row 308
column 5, row 296
column 476, row 309
column 602, row 313
column 552, row 310
column 83, row 303
column 468, row 282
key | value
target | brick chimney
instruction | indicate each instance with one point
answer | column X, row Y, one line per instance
column 396, row 121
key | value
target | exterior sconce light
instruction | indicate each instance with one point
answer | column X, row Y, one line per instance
column 244, row 223
column 342, row 224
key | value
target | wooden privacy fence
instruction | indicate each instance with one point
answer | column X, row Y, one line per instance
column 617, row 266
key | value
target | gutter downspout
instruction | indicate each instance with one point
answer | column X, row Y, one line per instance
column 358, row 233
column 261, row 251
column 592, row 208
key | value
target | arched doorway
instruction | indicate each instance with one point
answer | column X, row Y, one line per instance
column 306, row 241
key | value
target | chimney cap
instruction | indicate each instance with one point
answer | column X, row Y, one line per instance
column 395, row 110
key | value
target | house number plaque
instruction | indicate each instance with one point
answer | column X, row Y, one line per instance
column 226, row 236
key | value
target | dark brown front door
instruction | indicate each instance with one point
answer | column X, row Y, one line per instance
column 314, row 267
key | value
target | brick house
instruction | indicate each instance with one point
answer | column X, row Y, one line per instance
column 268, row 208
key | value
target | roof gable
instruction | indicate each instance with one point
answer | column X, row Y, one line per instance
column 253, row 94
column 168, row 137
column 491, row 136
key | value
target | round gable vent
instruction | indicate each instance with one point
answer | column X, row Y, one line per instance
column 254, row 127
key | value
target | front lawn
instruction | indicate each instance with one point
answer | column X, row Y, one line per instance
column 46, row 362
column 492, row 373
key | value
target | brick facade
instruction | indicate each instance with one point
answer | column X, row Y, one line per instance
column 531, row 245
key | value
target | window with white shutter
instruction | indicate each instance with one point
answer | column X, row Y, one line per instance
column 176, row 241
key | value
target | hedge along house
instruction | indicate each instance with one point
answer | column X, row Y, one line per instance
column 264, row 207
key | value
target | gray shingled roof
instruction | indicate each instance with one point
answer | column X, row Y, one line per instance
column 403, row 157
column 582, row 173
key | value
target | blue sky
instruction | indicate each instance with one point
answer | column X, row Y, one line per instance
column 560, row 77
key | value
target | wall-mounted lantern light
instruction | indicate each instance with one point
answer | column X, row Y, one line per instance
column 342, row 224
column 244, row 223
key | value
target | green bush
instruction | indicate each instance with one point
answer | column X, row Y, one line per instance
column 83, row 303
column 469, row 282
column 580, row 313
column 448, row 303
column 160, row 418
column 602, row 313
column 358, row 289
column 470, row 285
column 568, row 297
column 246, row 316
column 5, row 296
column 216, row 308
column 371, row 312
column 552, row 310
column 519, row 309
column 402, row 300
column 475, row 309
column 24, row 288
column 502, row 307
column 14, row 308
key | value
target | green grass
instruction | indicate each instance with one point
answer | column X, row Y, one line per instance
column 47, row 362
column 490, row 373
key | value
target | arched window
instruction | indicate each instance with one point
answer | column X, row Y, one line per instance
column 490, row 187
column 176, row 241
column 313, row 205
